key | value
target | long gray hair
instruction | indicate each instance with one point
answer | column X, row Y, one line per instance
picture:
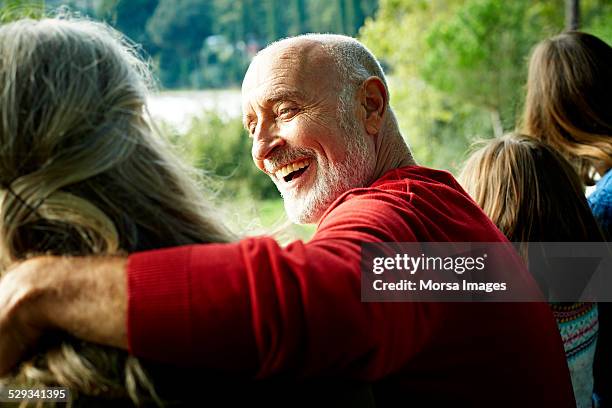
column 83, row 173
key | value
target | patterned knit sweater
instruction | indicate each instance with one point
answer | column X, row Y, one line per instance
column 578, row 325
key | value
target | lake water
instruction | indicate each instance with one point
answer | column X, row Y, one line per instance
column 179, row 107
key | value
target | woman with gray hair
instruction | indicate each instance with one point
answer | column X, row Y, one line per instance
column 82, row 173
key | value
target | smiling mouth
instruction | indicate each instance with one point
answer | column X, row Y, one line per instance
column 294, row 175
column 292, row 171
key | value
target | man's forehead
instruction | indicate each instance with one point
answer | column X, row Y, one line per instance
column 290, row 51
column 296, row 60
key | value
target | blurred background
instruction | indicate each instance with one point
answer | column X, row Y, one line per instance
column 456, row 68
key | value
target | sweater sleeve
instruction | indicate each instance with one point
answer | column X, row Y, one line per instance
column 255, row 308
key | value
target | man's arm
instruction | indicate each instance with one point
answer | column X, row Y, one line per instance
column 86, row 297
column 250, row 307
column 258, row 309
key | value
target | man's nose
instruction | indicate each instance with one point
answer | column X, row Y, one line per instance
column 265, row 140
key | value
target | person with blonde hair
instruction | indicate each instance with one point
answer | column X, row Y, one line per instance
column 533, row 194
column 568, row 106
column 83, row 173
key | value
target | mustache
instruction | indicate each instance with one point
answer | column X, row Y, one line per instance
column 281, row 157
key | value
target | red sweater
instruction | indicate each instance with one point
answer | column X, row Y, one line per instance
column 255, row 308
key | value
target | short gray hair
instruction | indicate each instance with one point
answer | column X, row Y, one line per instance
column 354, row 64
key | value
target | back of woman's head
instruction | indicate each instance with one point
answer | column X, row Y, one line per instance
column 568, row 100
column 529, row 191
column 80, row 168
column 82, row 173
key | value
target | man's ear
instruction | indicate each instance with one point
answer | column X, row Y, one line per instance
column 373, row 99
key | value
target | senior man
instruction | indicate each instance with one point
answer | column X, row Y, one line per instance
column 317, row 110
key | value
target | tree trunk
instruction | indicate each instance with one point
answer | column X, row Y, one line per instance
column 341, row 17
column 498, row 128
column 572, row 14
column 359, row 15
column 272, row 22
column 349, row 13
column 302, row 25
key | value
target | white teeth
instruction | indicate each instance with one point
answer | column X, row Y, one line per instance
column 290, row 168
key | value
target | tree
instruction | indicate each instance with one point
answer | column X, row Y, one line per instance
column 130, row 17
column 178, row 29
column 301, row 22
column 479, row 55
column 273, row 20
column 435, row 127
column 458, row 67
column 572, row 14
column 15, row 9
column 595, row 18
column 176, row 34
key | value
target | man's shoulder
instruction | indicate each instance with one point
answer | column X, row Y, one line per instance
column 417, row 174
column 411, row 185
column 427, row 204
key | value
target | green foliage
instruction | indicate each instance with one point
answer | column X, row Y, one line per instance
column 458, row 67
column 597, row 15
column 251, row 203
column 130, row 17
column 208, row 43
column 181, row 25
column 479, row 53
column 178, row 30
column 437, row 127
column 221, row 146
column 15, row 9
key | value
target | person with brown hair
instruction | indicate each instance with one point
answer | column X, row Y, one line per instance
column 533, row 194
column 568, row 106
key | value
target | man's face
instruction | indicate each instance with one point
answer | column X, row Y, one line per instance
column 311, row 152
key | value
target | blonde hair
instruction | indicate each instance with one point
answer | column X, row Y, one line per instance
column 568, row 99
column 82, row 173
column 532, row 193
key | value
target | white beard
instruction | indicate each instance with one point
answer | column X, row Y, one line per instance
column 331, row 179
